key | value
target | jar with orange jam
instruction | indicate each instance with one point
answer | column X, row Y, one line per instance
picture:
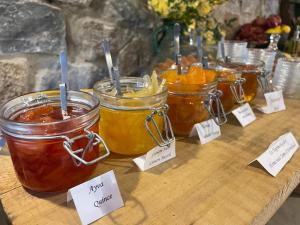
column 251, row 70
column 136, row 121
column 49, row 153
column 230, row 84
column 191, row 97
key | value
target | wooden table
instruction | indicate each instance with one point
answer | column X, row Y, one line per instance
column 210, row 184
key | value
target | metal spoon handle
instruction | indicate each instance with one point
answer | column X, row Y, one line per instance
column 177, row 47
column 64, row 67
column 116, row 79
column 63, row 85
column 222, row 48
column 199, row 47
column 204, row 56
column 63, row 99
column 177, row 38
column 106, row 49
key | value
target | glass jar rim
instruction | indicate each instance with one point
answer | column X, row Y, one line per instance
column 271, row 51
column 236, row 41
column 290, row 60
column 258, row 64
column 98, row 90
column 41, row 98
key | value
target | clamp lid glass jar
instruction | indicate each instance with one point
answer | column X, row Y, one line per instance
column 44, row 147
column 230, row 83
column 252, row 70
column 136, row 121
column 192, row 95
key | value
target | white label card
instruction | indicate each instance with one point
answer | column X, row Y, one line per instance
column 207, row 131
column 155, row 157
column 244, row 114
column 96, row 198
column 278, row 153
column 275, row 102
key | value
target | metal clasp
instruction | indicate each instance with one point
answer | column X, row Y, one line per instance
column 264, row 83
column 78, row 155
column 213, row 98
column 169, row 135
column 238, row 91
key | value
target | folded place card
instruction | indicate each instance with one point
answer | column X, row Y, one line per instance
column 207, row 131
column 244, row 114
column 275, row 102
column 96, row 198
column 155, row 157
column 278, row 153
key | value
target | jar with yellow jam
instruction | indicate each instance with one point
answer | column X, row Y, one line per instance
column 191, row 97
column 136, row 121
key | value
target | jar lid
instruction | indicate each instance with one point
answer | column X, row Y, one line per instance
column 137, row 93
column 15, row 107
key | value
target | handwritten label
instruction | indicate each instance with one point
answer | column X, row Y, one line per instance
column 244, row 114
column 96, row 198
column 278, row 153
column 155, row 157
column 207, row 131
column 275, row 102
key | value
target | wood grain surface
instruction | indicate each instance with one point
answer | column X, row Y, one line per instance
column 210, row 184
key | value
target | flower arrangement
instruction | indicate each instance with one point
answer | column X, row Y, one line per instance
column 193, row 14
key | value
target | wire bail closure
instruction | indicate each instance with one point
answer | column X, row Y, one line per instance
column 264, row 83
column 169, row 135
column 78, row 155
column 238, row 91
column 213, row 98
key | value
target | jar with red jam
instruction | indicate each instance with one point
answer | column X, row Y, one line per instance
column 49, row 153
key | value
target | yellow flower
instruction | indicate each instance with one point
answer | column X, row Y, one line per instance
column 160, row 6
column 192, row 26
column 223, row 33
column 204, row 8
column 194, row 4
column 209, row 37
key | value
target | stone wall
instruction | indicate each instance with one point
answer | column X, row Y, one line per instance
column 33, row 32
column 244, row 11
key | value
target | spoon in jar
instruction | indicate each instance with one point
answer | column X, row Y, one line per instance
column 63, row 86
column 221, row 50
column 116, row 78
column 204, row 58
column 199, row 46
column 177, row 47
column 108, row 58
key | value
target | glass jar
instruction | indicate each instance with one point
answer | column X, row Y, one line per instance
column 268, row 56
column 235, row 49
column 286, row 77
column 252, row 70
column 50, row 154
column 192, row 103
column 231, row 85
column 133, row 125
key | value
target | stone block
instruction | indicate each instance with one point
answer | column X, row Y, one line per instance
column 14, row 77
column 83, row 75
column 30, row 27
column 77, row 2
